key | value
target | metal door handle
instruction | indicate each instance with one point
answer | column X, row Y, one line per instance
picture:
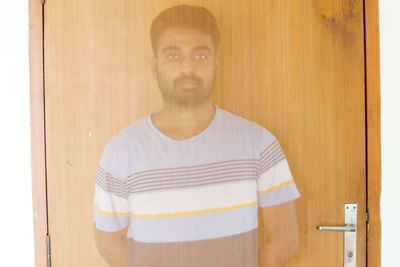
column 346, row 228
column 349, row 230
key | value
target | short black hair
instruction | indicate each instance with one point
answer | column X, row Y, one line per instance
column 190, row 17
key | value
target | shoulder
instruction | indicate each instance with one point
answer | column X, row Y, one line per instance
column 126, row 136
column 120, row 147
column 260, row 136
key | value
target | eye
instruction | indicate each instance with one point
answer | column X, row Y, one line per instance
column 172, row 57
column 201, row 56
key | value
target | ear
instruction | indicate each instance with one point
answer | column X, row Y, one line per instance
column 154, row 66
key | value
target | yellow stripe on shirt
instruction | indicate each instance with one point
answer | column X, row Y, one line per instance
column 268, row 190
column 196, row 212
column 111, row 213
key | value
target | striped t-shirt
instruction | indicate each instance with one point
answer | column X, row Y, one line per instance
column 191, row 202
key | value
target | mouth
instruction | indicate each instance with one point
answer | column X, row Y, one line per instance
column 188, row 85
column 190, row 82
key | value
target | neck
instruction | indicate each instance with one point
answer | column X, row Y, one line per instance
column 185, row 119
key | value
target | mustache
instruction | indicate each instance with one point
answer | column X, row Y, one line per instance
column 183, row 78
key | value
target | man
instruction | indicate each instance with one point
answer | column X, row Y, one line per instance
column 187, row 185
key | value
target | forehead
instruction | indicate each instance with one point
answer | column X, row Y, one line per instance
column 184, row 39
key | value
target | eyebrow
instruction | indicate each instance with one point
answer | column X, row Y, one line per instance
column 202, row 48
column 170, row 47
column 174, row 47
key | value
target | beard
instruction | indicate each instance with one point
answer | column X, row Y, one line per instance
column 180, row 93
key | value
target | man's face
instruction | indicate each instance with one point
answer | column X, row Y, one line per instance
column 185, row 66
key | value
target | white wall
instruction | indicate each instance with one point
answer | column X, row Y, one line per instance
column 390, row 119
column 16, row 230
column 16, row 221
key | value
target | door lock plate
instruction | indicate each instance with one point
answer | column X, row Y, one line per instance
column 350, row 237
column 350, row 234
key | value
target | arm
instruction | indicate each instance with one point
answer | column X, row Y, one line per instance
column 280, row 234
column 111, row 211
column 112, row 246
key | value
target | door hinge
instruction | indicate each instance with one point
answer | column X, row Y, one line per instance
column 48, row 250
column 367, row 220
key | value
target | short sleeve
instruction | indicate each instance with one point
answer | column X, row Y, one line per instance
column 111, row 209
column 275, row 183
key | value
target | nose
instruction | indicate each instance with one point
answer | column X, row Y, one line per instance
column 188, row 66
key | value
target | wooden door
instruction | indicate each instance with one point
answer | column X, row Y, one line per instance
column 295, row 67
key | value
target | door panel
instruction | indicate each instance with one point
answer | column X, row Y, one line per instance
column 295, row 67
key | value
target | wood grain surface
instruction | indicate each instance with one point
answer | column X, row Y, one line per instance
column 296, row 67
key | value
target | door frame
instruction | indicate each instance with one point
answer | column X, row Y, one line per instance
column 38, row 130
column 373, row 129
